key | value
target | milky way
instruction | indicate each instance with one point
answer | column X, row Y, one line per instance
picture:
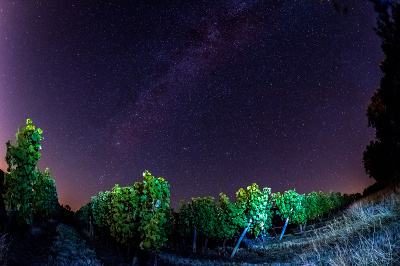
column 211, row 96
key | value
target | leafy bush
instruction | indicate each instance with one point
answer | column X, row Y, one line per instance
column 154, row 208
column 204, row 216
column 314, row 209
column 336, row 199
column 183, row 223
column 21, row 160
column 123, row 224
column 292, row 205
column 257, row 207
column 229, row 218
column 46, row 199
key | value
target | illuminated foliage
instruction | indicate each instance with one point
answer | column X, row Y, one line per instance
column 21, row 160
column 122, row 211
column 292, row 205
column 320, row 203
column 140, row 213
column 257, row 207
column 154, row 208
column 314, row 209
column 325, row 203
column 100, row 209
column 229, row 218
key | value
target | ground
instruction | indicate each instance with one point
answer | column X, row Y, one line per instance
column 54, row 243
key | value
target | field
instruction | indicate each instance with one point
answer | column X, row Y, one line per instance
column 366, row 233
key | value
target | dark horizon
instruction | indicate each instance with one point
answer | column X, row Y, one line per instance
column 211, row 97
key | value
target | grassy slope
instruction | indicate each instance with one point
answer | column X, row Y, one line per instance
column 366, row 233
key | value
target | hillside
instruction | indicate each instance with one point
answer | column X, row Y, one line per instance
column 366, row 233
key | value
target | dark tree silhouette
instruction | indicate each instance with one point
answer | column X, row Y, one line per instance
column 382, row 156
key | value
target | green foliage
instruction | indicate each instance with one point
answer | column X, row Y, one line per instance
column 184, row 218
column 138, row 213
column 100, row 209
column 314, row 209
column 204, row 216
column 154, row 208
column 83, row 214
column 229, row 218
column 325, row 203
column 319, row 203
column 106, row 201
column 21, row 160
column 46, row 199
column 142, row 212
column 123, row 211
column 257, row 207
column 292, row 205
column 336, row 199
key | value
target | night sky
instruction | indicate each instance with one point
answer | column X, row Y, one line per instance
column 211, row 95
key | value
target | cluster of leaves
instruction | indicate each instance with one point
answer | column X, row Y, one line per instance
column 154, row 210
column 135, row 212
column 314, row 209
column 230, row 217
column 204, row 216
column 142, row 212
column 257, row 207
column 46, row 198
column 27, row 190
column 300, row 208
column 336, row 199
column 318, row 204
column 291, row 206
column 98, row 210
column 223, row 219
column 123, row 211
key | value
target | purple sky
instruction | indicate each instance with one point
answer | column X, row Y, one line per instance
column 212, row 96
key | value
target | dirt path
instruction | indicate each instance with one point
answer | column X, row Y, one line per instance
column 71, row 249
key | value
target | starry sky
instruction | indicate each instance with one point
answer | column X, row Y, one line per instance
column 211, row 95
